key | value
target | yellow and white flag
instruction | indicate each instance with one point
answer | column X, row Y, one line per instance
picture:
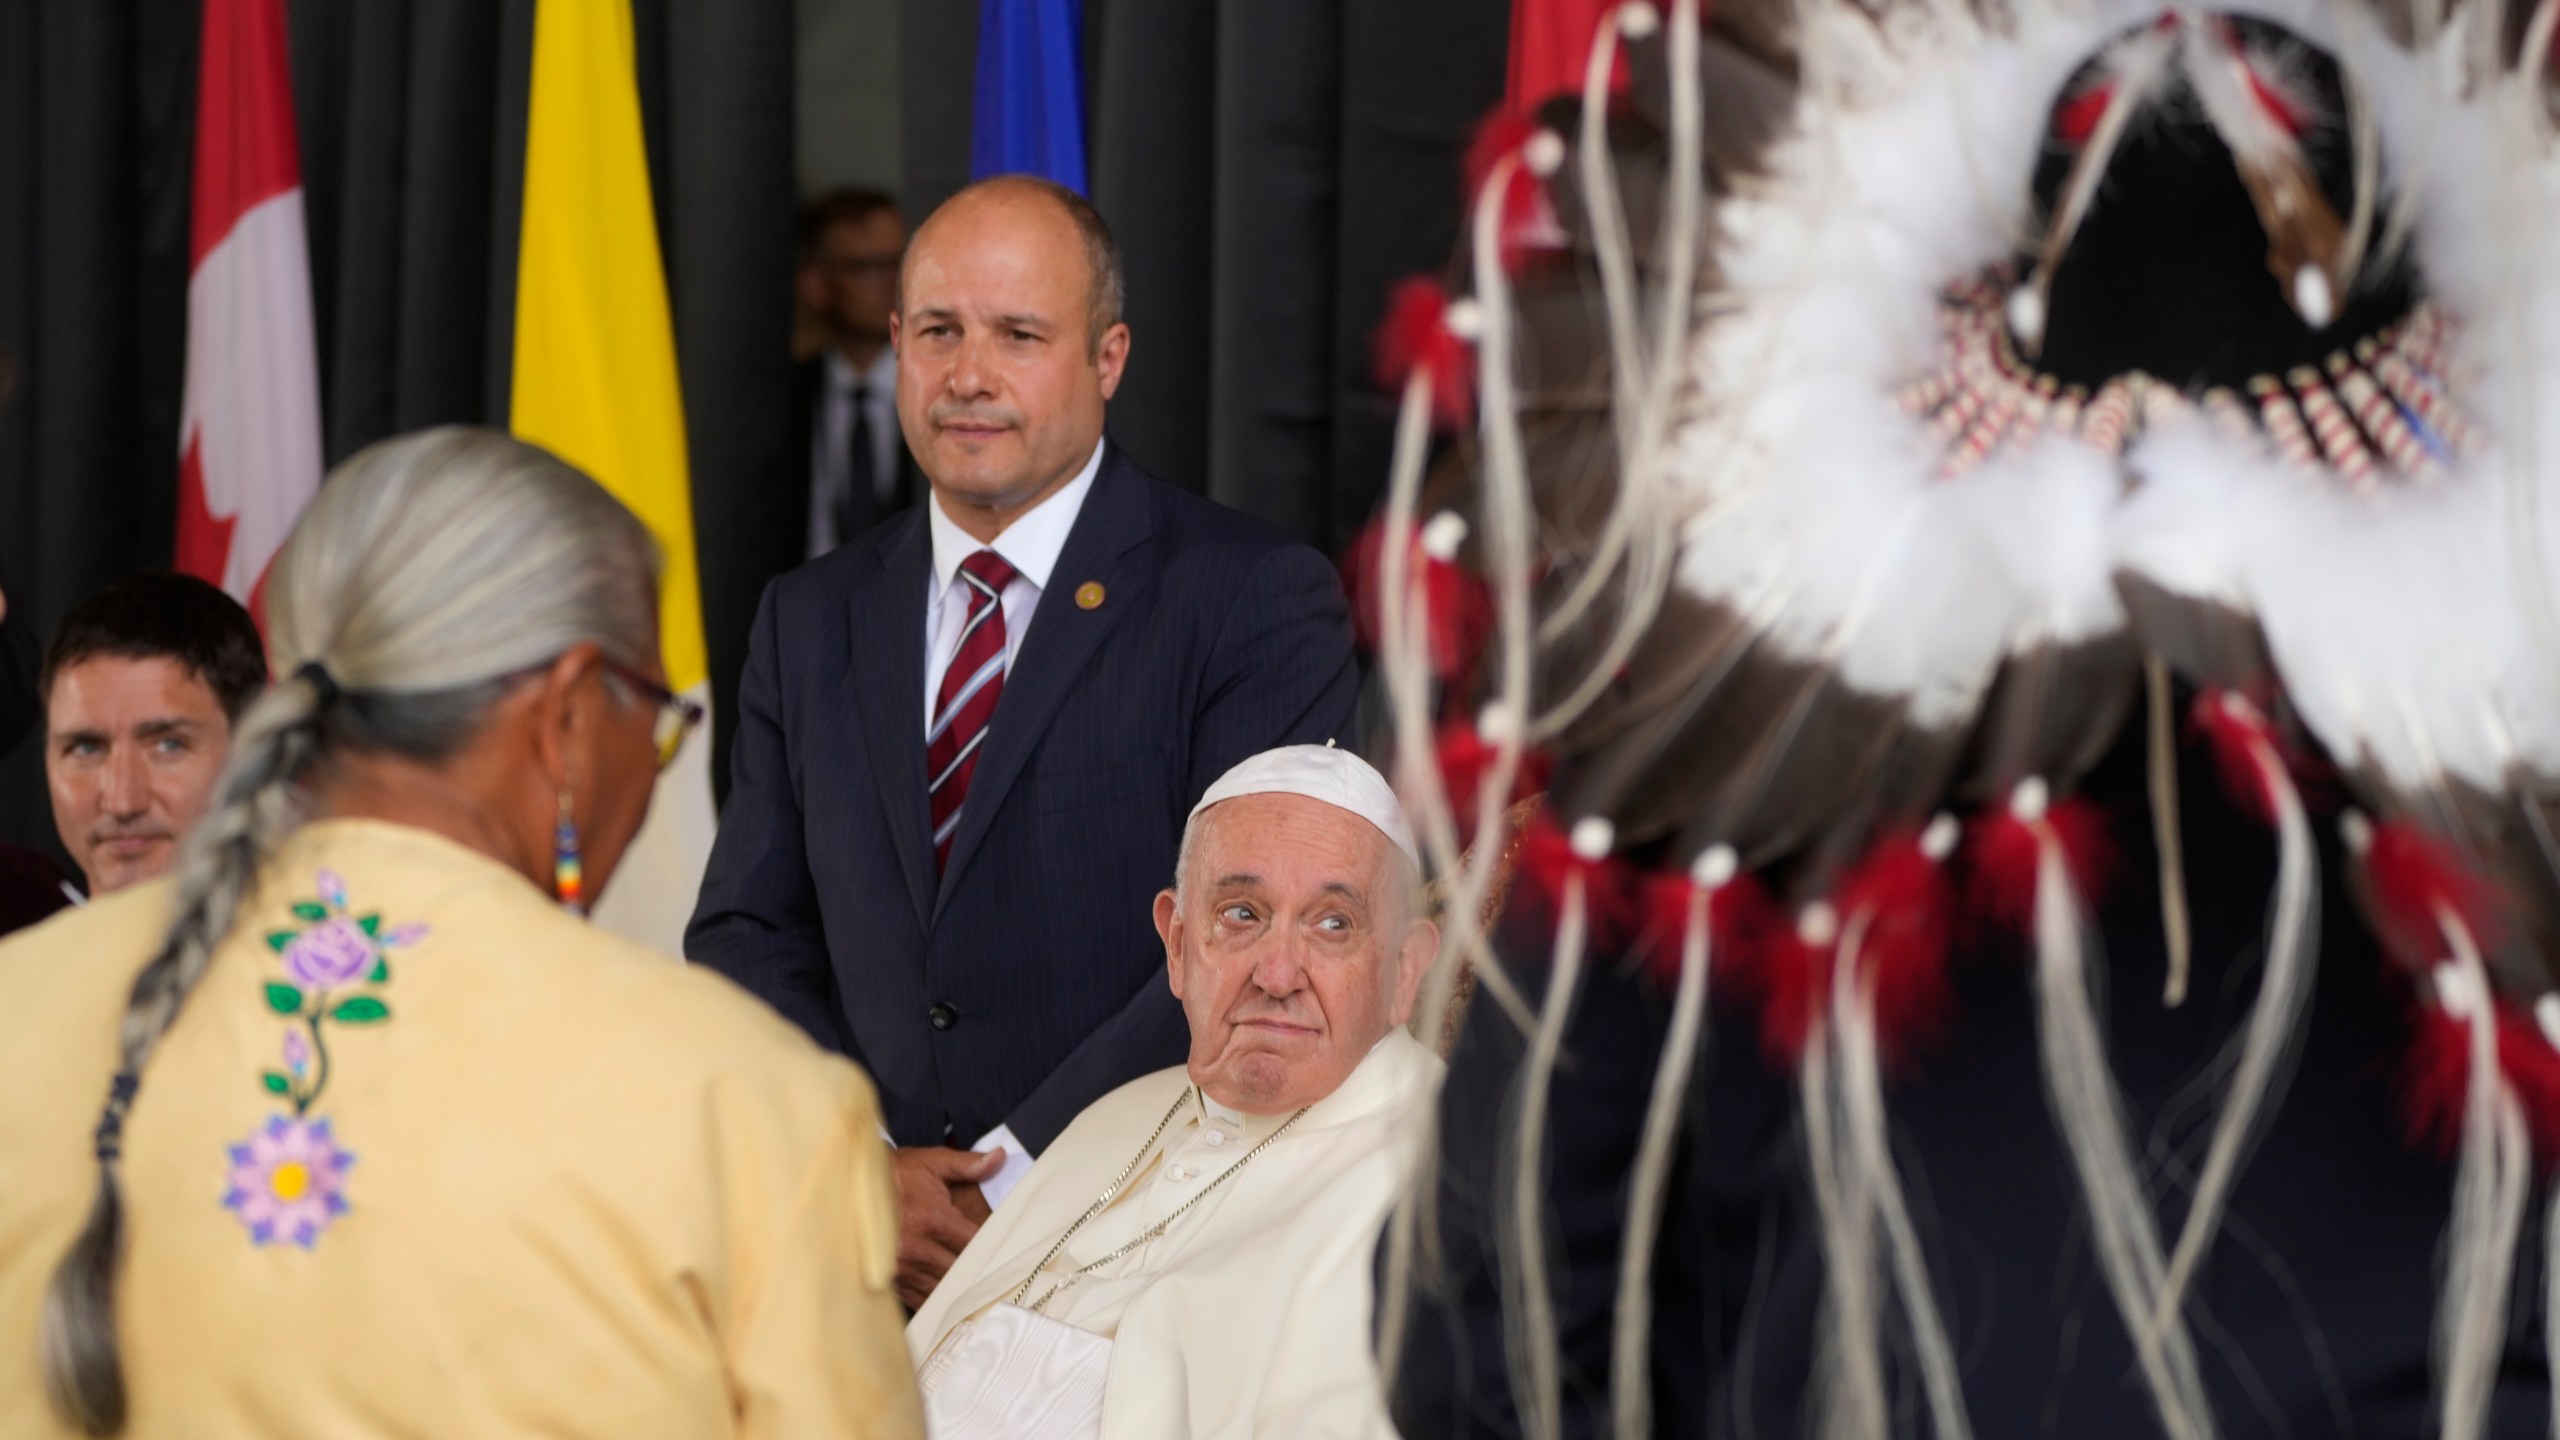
column 595, row 383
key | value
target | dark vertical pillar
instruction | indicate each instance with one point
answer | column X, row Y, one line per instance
column 162, row 196
column 320, row 46
column 1416, row 77
column 440, row 356
column 730, row 260
column 23, row 813
column 506, row 200
column 653, row 58
column 1270, row 366
column 353, row 183
column 938, row 46
column 1151, row 158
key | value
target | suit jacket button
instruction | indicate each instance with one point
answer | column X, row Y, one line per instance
column 942, row 1017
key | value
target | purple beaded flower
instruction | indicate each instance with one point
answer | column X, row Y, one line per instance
column 288, row 1181
column 333, row 953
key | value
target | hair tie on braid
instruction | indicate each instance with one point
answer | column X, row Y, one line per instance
column 318, row 677
column 120, row 1092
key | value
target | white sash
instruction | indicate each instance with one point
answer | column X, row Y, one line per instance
column 1014, row 1375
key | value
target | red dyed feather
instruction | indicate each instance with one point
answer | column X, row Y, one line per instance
column 1610, row 896
column 2005, row 852
column 1739, row 921
column 2076, row 119
column 1528, row 219
column 1789, row 979
column 2279, row 107
column 2533, row 1068
column 1457, row 605
column 2235, row 728
column 2410, row 876
column 1415, row 335
column 2436, row 1082
column 1457, row 617
column 1907, row 905
column 1465, row 756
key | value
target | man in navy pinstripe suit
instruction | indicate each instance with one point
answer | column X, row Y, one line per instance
column 966, row 741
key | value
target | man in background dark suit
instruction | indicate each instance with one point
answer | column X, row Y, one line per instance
column 967, row 740
column 854, row 470
column 845, row 397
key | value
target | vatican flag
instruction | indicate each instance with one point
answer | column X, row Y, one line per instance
column 595, row 383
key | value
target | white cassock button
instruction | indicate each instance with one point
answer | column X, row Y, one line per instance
column 1179, row 1172
column 1215, row 1137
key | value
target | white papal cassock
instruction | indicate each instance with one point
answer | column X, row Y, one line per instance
column 1250, row 1316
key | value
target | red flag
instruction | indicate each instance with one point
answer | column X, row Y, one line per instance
column 249, row 435
column 1550, row 46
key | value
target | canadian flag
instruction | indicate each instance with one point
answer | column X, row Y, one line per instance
column 249, row 432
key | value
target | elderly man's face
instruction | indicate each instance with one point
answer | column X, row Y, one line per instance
column 1292, row 948
column 1000, row 384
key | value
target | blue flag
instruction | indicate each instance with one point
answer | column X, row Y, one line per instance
column 1029, row 115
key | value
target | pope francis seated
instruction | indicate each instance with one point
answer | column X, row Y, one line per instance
column 1192, row 1257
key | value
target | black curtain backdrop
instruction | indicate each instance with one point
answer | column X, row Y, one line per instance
column 1270, row 168
column 412, row 130
column 97, row 105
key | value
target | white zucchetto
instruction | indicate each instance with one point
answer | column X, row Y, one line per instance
column 1324, row 773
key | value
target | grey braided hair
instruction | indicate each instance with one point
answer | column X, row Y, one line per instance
column 431, row 572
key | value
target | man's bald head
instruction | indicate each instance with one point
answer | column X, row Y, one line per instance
column 1015, row 199
column 1009, row 348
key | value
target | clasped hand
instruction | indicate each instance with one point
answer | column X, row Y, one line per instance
column 940, row 1208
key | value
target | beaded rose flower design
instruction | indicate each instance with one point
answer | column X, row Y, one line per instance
column 288, row 1177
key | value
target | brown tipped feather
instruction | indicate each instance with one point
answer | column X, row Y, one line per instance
column 2303, row 232
column 1673, row 671
column 2052, row 711
column 2204, row 640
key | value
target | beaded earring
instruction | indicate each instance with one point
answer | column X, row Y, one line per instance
column 568, row 875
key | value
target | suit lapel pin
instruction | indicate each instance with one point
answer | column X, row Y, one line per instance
column 1089, row 595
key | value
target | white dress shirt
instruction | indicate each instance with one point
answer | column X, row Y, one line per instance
column 834, row 431
column 1031, row 545
column 1250, row 1315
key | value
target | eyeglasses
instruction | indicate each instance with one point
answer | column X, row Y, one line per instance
column 677, row 716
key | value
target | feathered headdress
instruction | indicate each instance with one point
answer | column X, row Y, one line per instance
column 2024, row 361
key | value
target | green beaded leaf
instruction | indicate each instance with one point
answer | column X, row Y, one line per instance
column 282, row 998
column 381, row 971
column 372, row 925
column 279, row 939
column 312, row 911
column 362, row 1010
column 275, row 1083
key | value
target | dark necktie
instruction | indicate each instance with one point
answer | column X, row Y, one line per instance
column 968, row 697
column 854, row 504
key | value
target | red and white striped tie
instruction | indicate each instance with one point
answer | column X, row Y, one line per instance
column 968, row 698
